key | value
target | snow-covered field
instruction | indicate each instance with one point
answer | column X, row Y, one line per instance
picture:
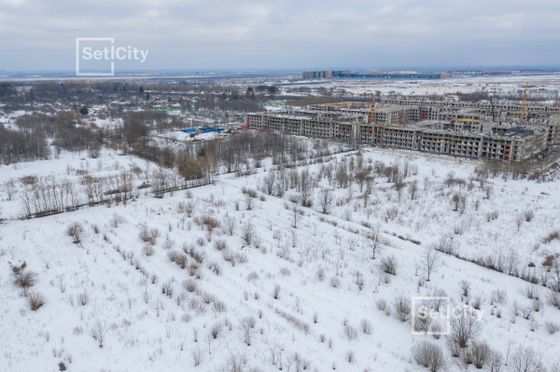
column 548, row 86
column 240, row 276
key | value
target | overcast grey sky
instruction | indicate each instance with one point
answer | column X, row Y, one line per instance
column 211, row 34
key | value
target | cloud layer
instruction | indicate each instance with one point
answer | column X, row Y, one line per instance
column 185, row 34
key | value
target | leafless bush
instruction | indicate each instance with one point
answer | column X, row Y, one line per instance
column 381, row 305
column 495, row 361
column 148, row 236
column 179, row 258
column 83, row 298
column 247, row 232
column 247, row 326
column 554, row 299
column 498, row 296
column 276, row 292
column 190, row 285
column 526, row 359
column 350, row 357
column 99, row 331
column 402, row 307
column 350, row 332
column 220, row 245
column 464, row 327
column 210, row 223
column 551, row 327
column 334, row 282
column 219, row 306
column 236, row 363
column 229, row 224
column 465, row 289
column 215, row 331
column 293, row 320
column 389, row 265
column 148, row 250
column 480, row 352
column 75, row 231
column 529, row 215
column 320, row 274
column 24, row 279
column 36, row 300
column 197, row 357
column 167, row 289
column 366, row 326
column 428, row 355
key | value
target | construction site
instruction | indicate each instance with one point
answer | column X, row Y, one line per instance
column 503, row 131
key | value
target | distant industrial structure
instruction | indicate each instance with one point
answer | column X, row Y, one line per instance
column 327, row 74
column 505, row 131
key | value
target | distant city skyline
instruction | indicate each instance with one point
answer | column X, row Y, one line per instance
column 292, row 35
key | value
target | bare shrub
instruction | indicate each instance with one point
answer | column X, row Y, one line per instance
column 350, row 357
column 148, row 250
column 350, row 332
column 551, row 327
column 464, row 327
column 529, row 215
column 36, row 300
column 554, row 299
column 83, row 298
column 99, row 331
column 526, row 359
column 215, row 331
column 75, row 232
column 148, row 236
column 428, row 355
column 219, row 306
column 220, row 245
column 480, row 351
column 247, row 232
column 190, row 285
column 179, row 258
column 210, row 223
column 366, row 326
column 495, row 361
column 24, row 279
column 229, row 224
column 381, row 305
column 389, row 265
column 334, row 282
column 276, row 292
column 197, row 357
column 402, row 307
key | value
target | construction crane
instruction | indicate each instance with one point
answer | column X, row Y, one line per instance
column 524, row 106
column 372, row 118
column 372, row 114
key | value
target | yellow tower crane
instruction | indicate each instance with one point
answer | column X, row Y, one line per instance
column 372, row 114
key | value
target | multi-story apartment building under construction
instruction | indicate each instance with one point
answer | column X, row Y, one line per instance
column 462, row 131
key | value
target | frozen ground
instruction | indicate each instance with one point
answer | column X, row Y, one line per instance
column 548, row 86
column 228, row 278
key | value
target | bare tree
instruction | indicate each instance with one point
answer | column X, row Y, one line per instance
column 431, row 260
column 325, row 199
column 373, row 239
column 247, row 326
